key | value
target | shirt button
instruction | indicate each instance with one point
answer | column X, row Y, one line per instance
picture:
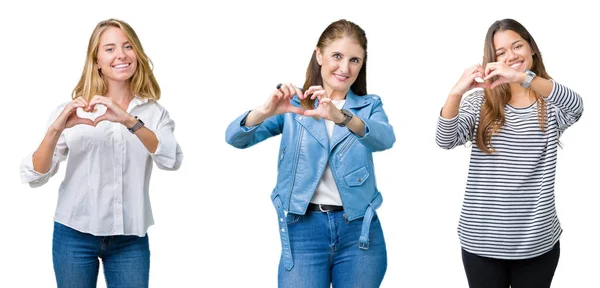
column 359, row 180
column 118, row 201
column 300, row 118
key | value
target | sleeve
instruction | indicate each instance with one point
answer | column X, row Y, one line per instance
column 168, row 154
column 460, row 129
column 568, row 106
column 36, row 179
column 379, row 134
column 240, row 136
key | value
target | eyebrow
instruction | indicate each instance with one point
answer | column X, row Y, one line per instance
column 113, row 44
column 510, row 44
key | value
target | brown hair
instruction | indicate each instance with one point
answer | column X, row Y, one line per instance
column 142, row 83
column 336, row 30
column 492, row 110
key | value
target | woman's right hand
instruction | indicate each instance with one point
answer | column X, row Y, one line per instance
column 467, row 81
column 279, row 101
column 68, row 117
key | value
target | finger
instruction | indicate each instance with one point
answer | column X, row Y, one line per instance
column 324, row 100
column 498, row 83
column 312, row 89
column 296, row 110
column 491, row 74
column 318, row 94
column 311, row 113
column 100, row 119
column 84, row 121
column 298, row 92
column 285, row 89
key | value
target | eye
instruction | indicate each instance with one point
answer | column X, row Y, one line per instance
column 500, row 54
column 109, row 49
column 355, row 60
column 518, row 46
column 128, row 47
column 337, row 56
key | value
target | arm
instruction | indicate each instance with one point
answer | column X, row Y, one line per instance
column 167, row 153
column 459, row 129
column 41, row 165
column 569, row 105
column 241, row 136
column 378, row 133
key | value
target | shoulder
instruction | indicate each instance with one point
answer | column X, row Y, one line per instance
column 474, row 98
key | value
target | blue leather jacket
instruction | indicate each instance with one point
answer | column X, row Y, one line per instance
column 305, row 150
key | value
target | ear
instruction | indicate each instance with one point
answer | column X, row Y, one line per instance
column 319, row 56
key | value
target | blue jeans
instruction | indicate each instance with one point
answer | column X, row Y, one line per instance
column 126, row 259
column 325, row 251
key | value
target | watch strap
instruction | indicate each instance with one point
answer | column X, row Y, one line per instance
column 137, row 125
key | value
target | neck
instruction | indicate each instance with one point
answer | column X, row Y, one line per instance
column 120, row 93
column 520, row 97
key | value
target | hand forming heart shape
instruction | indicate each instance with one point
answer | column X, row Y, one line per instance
column 98, row 111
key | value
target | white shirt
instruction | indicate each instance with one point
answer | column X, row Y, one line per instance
column 105, row 190
column 327, row 191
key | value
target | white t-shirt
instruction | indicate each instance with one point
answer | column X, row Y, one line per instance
column 327, row 191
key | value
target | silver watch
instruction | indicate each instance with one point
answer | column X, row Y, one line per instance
column 528, row 79
column 348, row 115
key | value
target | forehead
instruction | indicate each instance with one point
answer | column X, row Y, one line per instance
column 506, row 38
column 112, row 35
column 346, row 45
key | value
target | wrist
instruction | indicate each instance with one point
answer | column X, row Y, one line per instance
column 521, row 77
column 129, row 121
column 53, row 130
column 338, row 116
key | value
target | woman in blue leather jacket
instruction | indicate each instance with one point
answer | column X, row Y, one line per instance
column 326, row 195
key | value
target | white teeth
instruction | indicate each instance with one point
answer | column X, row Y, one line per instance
column 516, row 65
column 121, row 66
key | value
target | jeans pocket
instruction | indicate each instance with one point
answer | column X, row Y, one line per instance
column 292, row 218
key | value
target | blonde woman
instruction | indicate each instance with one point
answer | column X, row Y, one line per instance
column 110, row 133
column 509, row 230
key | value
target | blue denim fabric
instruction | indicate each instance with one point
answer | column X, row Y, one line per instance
column 76, row 255
column 326, row 251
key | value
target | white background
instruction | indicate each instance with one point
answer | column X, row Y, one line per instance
column 215, row 224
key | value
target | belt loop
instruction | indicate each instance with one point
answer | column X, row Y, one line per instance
column 288, row 260
column 363, row 241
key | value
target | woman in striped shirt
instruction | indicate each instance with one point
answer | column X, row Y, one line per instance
column 508, row 227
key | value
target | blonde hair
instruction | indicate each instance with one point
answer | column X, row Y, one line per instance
column 142, row 83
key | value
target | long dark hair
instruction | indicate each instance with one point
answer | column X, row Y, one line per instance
column 492, row 110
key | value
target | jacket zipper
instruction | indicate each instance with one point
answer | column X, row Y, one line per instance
column 281, row 157
column 295, row 167
column 347, row 146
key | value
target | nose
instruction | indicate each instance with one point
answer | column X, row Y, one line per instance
column 344, row 66
column 511, row 55
column 120, row 54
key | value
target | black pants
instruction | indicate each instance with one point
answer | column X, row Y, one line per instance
column 483, row 272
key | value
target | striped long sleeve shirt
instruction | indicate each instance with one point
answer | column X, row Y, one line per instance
column 508, row 209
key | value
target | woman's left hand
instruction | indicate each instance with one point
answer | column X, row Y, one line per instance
column 505, row 74
column 326, row 109
column 114, row 112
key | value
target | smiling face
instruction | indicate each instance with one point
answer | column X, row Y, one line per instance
column 340, row 62
column 116, row 58
column 513, row 50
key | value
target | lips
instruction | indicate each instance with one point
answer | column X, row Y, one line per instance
column 340, row 77
column 516, row 65
column 121, row 66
